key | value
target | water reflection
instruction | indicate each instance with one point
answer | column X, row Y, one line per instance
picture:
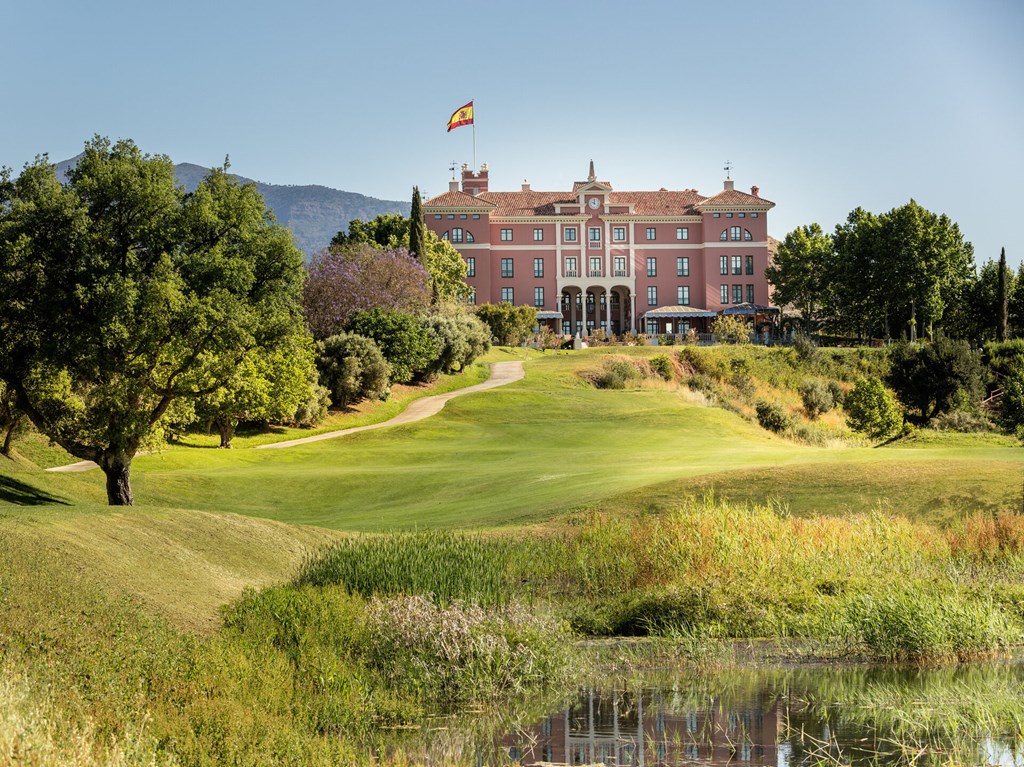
column 783, row 717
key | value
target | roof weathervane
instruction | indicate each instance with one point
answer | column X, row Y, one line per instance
column 453, row 166
column 592, row 176
column 728, row 169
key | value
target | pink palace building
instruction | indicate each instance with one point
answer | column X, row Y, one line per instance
column 595, row 258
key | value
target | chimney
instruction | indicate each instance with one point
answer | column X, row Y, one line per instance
column 526, row 185
column 754, row 191
column 729, row 185
column 453, row 185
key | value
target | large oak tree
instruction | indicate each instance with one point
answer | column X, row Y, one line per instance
column 120, row 293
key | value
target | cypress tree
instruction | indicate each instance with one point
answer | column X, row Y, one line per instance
column 1003, row 299
column 417, row 229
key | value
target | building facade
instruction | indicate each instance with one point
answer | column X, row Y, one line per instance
column 596, row 258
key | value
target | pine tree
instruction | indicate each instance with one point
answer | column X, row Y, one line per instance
column 417, row 229
column 1003, row 299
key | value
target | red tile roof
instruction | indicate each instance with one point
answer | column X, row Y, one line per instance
column 456, row 200
column 732, row 197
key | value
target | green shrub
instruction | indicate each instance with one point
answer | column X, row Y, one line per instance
column 961, row 421
column 353, row 368
column 730, row 329
column 816, row 396
column 838, row 395
column 805, row 348
column 403, row 340
column 313, row 410
column 616, row 373
column 662, row 365
column 460, row 339
column 872, row 410
column 772, row 417
column 510, row 325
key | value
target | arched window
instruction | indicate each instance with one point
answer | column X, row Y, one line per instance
column 747, row 236
column 723, row 236
column 469, row 236
column 445, row 235
column 457, row 234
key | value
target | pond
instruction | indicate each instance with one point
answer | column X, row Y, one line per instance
column 971, row 714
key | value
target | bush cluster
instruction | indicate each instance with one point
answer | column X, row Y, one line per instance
column 772, row 416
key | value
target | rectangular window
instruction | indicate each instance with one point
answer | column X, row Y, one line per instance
column 725, row 294
column 652, row 295
column 683, row 295
column 538, row 296
column 652, row 266
column 570, row 234
column 619, row 233
column 718, row 215
column 741, row 215
column 463, row 216
column 652, row 233
column 570, row 267
column 471, row 267
column 595, row 266
column 538, row 267
column 683, row 266
column 737, row 294
column 737, row 265
column 456, row 234
column 683, row 233
column 437, row 216
column 595, row 234
column 476, row 216
column 734, row 233
column 728, row 215
column 723, row 264
column 538, row 235
column 451, row 216
column 508, row 296
column 753, row 215
column 620, row 267
column 750, row 264
column 471, row 298
column 750, row 294
column 506, row 267
column 506, row 235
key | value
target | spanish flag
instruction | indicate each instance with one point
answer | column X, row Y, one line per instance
column 462, row 116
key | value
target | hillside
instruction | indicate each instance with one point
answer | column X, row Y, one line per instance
column 313, row 213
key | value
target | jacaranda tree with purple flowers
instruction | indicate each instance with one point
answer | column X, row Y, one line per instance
column 360, row 277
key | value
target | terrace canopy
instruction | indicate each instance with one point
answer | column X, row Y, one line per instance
column 683, row 318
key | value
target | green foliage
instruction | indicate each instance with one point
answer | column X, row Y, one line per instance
column 510, row 325
column 417, row 229
column 816, row 396
column 798, row 272
column 460, row 337
column 872, row 409
column 1011, row 404
column 403, row 339
column 313, row 409
column 916, row 623
column 730, row 329
column 388, row 230
column 961, row 421
column 448, row 566
column 662, row 365
column 772, row 416
column 447, row 270
column 133, row 294
column 352, row 368
column 934, row 378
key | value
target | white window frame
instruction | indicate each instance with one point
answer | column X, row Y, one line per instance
column 506, row 235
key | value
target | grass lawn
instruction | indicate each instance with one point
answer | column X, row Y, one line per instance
column 550, row 445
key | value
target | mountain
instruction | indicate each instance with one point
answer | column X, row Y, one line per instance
column 313, row 213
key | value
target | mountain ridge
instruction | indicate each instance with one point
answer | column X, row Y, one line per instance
column 314, row 213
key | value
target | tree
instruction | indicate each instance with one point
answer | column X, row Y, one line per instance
column 1015, row 302
column 935, row 377
column 447, row 271
column 353, row 368
column 1011, row 404
column 120, row 294
column 461, row 339
column 987, row 309
column 1002, row 298
column 361, row 277
column 402, row 338
column 730, row 329
column 417, row 229
column 798, row 270
column 388, row 230
column 871, row 409
column 12, row 420
column 267, row 385
column 510, row 325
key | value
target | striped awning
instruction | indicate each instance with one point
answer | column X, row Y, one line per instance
column 751, row 309
column 549, row 315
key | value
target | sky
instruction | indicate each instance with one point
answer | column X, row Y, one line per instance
column 826, row 106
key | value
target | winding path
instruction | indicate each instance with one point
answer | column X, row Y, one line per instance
column 501, row 373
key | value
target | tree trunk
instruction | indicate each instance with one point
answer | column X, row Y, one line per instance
column 226, row 429
column 117, row 466
column 9, row 437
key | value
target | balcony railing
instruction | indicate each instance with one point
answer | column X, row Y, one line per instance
column 595, row 273
column 571, row 273
column 594, row 244
column 620, row 273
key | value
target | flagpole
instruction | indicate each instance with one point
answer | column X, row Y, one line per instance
column 474, row 136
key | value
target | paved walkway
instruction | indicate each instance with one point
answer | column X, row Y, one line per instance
column 501, row 373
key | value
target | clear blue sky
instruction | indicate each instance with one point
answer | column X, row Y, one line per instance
column 825, row 105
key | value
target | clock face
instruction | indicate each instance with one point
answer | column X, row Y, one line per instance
column 594, row 202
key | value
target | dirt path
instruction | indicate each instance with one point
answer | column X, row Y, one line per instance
column 501, row 373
